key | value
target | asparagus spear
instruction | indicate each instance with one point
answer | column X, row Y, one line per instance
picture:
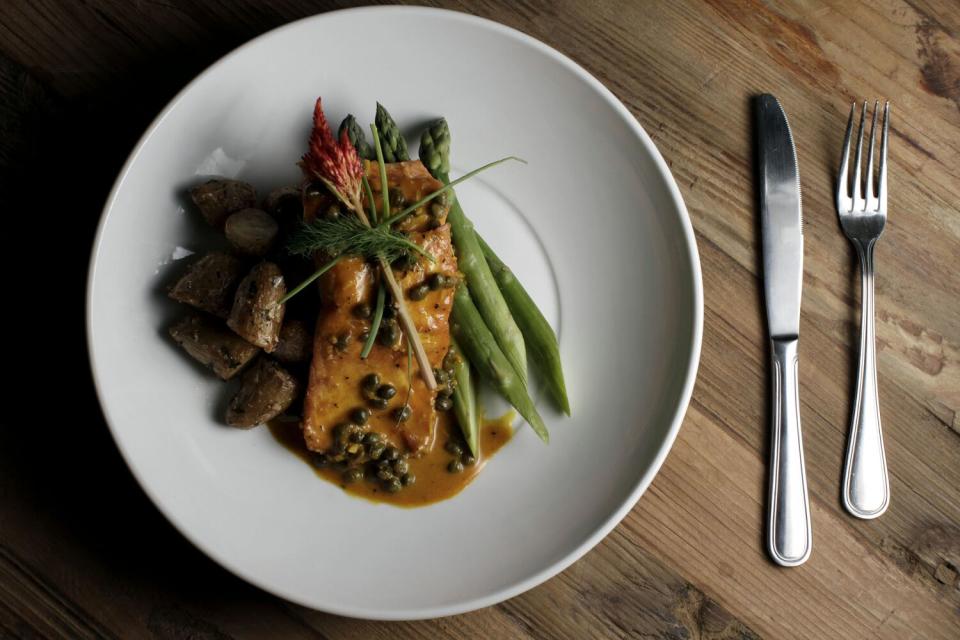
column 391, row 140
column 465, row 400
column 539, row 335
column 357, row 138
column 471, row 332
column 435, row 155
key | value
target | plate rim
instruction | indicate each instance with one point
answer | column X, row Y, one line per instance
column 679, row 410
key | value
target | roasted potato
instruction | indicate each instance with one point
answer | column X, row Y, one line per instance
column 256, row 315
column 220, row 197
column 213, row 345
column 296, row 343
column 209, row 283
column 266, row 390
column 286, row 207
column 251, row 232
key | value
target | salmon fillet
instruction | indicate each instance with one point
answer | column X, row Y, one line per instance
column 336, row 370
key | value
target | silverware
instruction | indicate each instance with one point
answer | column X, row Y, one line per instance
column 789, row 538
column 863, row 213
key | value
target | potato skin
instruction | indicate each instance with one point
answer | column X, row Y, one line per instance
column 256, row 315
column 296, row 343
column 213, row 345
column 251, row 232
column 220, row 197
column 209, row 283
column 266, row 391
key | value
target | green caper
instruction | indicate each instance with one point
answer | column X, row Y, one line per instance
column 455, row 466
column 389, row 334
column 370, row 382
column 342, row 431
column 373, row 437
column 434, row 224
column 385, row 474
column 353, row 474
column 436, row 281
column 386, row 391
column 315, row 190
column 402, row 414
column 469, row 460
column 419, row 292
column 441, row 375
column 376, row 450
column 360, row 416
column 443, row 403
column 362, row 310
column 444, row 392
column 393, row 485
column 450, row 360
column 389, row 312
column 391, row 453
column 437, row 209
column 407, row 479
column 400, row 467
column 356, row 437
column 320, row 460
column 378, row 403
column 343, row 341
column 397, row 200
column 443, row 199
column 452, row 446
column 339, row 448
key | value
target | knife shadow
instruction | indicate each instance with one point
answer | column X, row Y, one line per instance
column 753, row 107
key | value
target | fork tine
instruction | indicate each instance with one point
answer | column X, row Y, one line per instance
column 882, row 171
column 843, row 179
column 870, row 195
column 857, row 161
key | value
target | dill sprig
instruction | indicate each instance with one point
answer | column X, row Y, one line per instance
column 348, row 236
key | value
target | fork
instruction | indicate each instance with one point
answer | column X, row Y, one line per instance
column 863, row 213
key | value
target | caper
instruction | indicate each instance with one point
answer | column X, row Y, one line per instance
column 342, row 431
column 450, row 360
column 391, row 453
column 372, row 437
column 436, row 281
column 400, row 467
column 443, row 199
column 338, row 448
column 393, row 485
column 386, row 391
column 370, row 382
column 453, row 447
column 364, row 335
column 360, row 416
column 362, row 310
column 378, row 403
column 389, row 312
column 443, row 403
column 320, row 460
column 407, row 479
column 353, row 474
column 315, row 190
column 444, row 392
column 402, row 414
column 397, row 200
column 441, row 375
column 434, row 224
column 343, row 341
column 356, row 437
column 332, row 212
column 376, row 450
column 385, row 474
column 437, row 209
column 419, row 292
column 469, row 460
column 455, row 466
column 389, row 334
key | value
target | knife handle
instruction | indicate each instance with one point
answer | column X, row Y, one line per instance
column 789, row 538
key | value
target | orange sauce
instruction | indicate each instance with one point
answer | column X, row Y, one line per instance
column 433, row 482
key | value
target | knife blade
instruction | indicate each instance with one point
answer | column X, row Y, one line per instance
column 789, row 538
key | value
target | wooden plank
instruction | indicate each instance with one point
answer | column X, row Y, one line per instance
column 688, row 561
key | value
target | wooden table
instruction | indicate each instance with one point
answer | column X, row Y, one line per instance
column 83, row 553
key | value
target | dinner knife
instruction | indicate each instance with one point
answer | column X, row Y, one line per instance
column 789, row 538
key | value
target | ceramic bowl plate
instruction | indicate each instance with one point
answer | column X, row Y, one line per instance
column 594, row 225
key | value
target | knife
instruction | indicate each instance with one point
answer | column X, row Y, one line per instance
column 789, row 538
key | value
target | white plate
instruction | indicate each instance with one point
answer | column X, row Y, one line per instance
column 594, row 225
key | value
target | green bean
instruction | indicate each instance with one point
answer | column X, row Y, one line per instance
column 478, row 344
column 537, row 332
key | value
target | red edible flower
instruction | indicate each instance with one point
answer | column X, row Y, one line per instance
column 335, row 163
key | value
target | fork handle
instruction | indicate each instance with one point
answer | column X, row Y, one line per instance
column 866, row 489
column 789, row 538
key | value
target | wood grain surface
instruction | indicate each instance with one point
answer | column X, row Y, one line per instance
column 84, row 554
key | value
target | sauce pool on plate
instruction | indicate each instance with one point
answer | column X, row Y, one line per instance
column 434, row 482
